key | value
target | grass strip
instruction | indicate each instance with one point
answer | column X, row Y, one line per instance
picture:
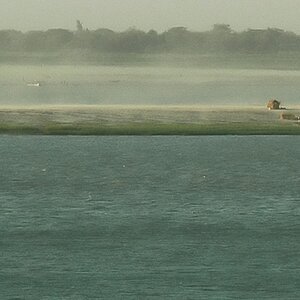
column 154, row 129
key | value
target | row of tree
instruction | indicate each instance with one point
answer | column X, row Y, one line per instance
column 178, row 39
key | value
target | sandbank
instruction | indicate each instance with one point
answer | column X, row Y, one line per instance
column 146, row 120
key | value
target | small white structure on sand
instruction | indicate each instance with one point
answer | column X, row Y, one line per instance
column 34, row 84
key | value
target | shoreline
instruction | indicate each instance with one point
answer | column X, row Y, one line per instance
column 145, row 120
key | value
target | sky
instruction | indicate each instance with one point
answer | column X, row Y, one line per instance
column 119, row 15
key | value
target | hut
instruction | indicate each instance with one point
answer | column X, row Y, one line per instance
column 273, row 104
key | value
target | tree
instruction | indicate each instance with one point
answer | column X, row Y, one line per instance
column 11, row 40
column 35, row 41
column 132, row 41
column 176, row 38
column 221, row 29
column 57, row 38
column 220, row 38
column 104, row 39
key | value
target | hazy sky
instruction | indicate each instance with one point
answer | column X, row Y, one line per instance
column 146, row 14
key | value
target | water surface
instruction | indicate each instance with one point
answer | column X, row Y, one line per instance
column 146, row 85
column 149, row 217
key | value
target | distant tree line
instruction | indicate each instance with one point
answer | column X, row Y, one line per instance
column 221, row 39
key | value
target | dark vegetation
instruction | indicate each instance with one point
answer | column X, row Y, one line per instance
column 221, row 39
column 153, row 129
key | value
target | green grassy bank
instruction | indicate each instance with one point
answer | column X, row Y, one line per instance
column 145, row 120
column 153, row 129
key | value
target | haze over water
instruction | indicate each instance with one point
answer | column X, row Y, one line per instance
column 150, row 85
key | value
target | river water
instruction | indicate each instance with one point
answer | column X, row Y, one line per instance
column 150, row 217
column 155, row 85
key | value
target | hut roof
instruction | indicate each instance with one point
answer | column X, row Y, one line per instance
column 273, row 104
column 274, row 101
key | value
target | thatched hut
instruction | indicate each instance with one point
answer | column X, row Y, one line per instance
column 273, row 104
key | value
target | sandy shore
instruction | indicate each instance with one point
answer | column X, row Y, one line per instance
column 145, row 120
